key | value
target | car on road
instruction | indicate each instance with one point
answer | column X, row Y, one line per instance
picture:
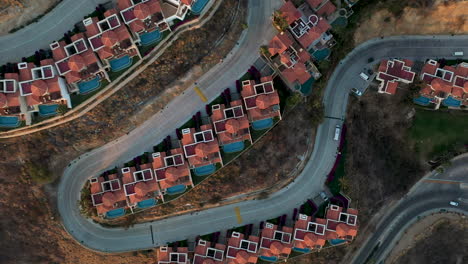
column 324, row 196
column 356, row 91
column 337, row 133
column 453, row 203
column 364, row 76
column 457, row 53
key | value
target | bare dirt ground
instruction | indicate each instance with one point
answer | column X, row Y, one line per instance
column 440, row 18
column 32, row 232
column 17, row 13
column 418, row 240
column 280, row 150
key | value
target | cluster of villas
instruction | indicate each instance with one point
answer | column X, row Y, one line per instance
column 273, row 242
column 303, row 37
column 445, row 85
column 82, row 62
column 198, row 151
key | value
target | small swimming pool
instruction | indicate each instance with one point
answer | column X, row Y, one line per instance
column 205, row 170
column 421, row 100
column 9, row 121
column 48, row 110
column 120, row 63
column 340, row 21
column 451, row 102
column 272, row 259
column 147, row 203
column 337, row 241
column 198, row 6
column 234, row 147
column 115, row 213
column 262, row 124
column 150, row 37
column 306, row 88
column 302, row 250
column 86, row 87
column 322, row 54
column 176, row 189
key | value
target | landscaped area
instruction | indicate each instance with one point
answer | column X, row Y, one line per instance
column 77, row 99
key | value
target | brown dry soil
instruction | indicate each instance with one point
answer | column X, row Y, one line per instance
column 421, row 17
column 17, row 13
column 29, row 234
column 278, row 151
column 445, row 242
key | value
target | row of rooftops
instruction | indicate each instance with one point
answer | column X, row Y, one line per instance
column 273, row 242
column 229, row 124
column 87, row 55
column 307, row 28
column 439, row 82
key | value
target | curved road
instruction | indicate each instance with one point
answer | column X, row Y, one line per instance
column 425, row 198
column 308, row 183
column 49, row 28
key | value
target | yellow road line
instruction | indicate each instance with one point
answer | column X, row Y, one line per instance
column 200, row 93
column 238, row 215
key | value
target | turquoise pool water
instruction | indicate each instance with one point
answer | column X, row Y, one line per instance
column 341, row 21
column 421, row 100
column 115, row 213
column 120, row 63
column 306, row 88
column 262, row 124
column 176, row 189
column 150, row 37
column 452, row 102
column 48, row 110
column 9, row 121
column 302, row 250
column 337, row 241
column 86, row 87
column 321, row 54
column 146, row 203
column 272, row 259
column 198, row 6
column 205, row 170
column 234, row 147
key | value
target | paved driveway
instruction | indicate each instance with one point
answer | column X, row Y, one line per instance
column 51, row 27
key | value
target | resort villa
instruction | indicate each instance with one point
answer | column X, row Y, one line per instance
column 108, row 196
column 231, row 126
column 447, row 85
column 42, row 89
column 309, row 235
column 167, row 255
column 391, row 72
column 276, row 244
column 172, row 171
column 241, row 250
column 10, row 105
column 176, row 9
column 141, row 187
column 322, row 7
column 201, row 150
column 204, row 253
column 78, row 64
column 261, row 102
column 111, row 40
column 341, row 226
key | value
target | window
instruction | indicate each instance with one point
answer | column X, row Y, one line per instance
column 22, row 65
column 125, row 170
column 202, row 242
column 93, row 180
column 54, row 45
column 334, row 207
column 215, row 107
column 235, row 234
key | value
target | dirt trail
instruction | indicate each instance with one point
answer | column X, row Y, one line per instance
column 450, row 18
column 17, row 13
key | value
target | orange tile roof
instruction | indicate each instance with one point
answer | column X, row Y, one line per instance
column 92, row 29
column 314, row 33
column 124, row 4
column 137, row 26
column 122, row 33
column 13, row 99
column 290, row 12
column 279, row 43
column 297, row 73
column 314, row 3
column 12, row 76
column 327, row 9
column 105, row 52
column 109, row 38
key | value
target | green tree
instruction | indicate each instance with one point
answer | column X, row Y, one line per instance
column 279, row 21
column 316, row 110
column 264, row 51
column 38, row 173
column 62, row 109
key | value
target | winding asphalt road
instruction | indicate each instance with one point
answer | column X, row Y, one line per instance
column 307, row 184
column 425, row 198
column 51, row 27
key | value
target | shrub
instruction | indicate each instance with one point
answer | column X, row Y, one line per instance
column 38, row 173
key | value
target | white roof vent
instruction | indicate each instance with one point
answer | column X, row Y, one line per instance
column 88, row 21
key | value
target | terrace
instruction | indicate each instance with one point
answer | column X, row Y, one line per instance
column 261, row 101
column 275, row 244
column 204, row 253
column 231, row 124
column 141, row 187
column 167, row 255
column 309, row 235
column 108, row 196
column 171, row 171
column 200, row 148
column 241, row 250
column 175, row 9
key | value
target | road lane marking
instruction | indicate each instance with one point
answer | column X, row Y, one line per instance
column 200, row 93
column 238, row 215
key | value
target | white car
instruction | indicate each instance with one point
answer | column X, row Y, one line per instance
column 356, row 91
column 364, row 76
column 337, row 133
column 324, row 196
column 452, row 203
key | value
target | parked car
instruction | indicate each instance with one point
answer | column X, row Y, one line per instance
column 453, row 203
column 457, row 53
column 324, row 196
column 370, row 72
column 364, row 76
column 356, row 91
column 337, row 133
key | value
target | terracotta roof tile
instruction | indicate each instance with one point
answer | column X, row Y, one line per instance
column 290, row 12
column 327, row 9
